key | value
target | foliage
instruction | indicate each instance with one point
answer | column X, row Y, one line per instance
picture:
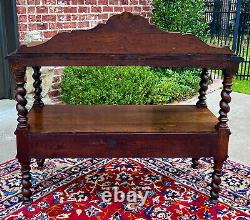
column 181, row 16
column 241, row 86
column 126, row 85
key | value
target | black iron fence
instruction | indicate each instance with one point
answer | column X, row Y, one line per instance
column 229, row 25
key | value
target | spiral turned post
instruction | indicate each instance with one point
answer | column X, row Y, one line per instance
column 216, row 181
column 19, row 72
column 37, row 85
column 225, row 100
column 22, row 130
column 26, row 183
column 203, row 89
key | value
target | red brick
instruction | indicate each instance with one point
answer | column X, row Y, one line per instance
column 55, row 9
column 63, row 17
column 134, row 2
column 69, row 25
column 66, row 2
column 49, row 2
column 83, row 9
column 108, row 9
column 22, row 18
column 74, row 17
column 146, row 8
column 23, row 27
column 42, row 9
column 96, row 9
column 66, row 25
column 42, row 26
column 143, row 2
column 73, row 25
column 22, row 35
column 113, row 2
column 32, row 26
column 92, row 17
column 31, row 9
column 34, row 2
column 21, row 2
column 48, row 35
column 137, row 9
column 83, row 25
column 103, row 16
column 82, row 17
column 39, row 18
column 81, row 2
column 91, row 2
column 21, row 10
column 48, row 18
column 128, row 9
column 118, row 9
column 70, row 9
column 59, row 26
column 52, row 26
column 103, row 2
column 31, row 2
column 123, row 2
column 31, row 18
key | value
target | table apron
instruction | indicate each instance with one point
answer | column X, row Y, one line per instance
column 123, row 145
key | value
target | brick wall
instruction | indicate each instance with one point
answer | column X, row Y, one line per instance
column 51, row 16
column 48, row 17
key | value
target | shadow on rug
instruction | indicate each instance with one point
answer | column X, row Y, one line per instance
column 117, row 189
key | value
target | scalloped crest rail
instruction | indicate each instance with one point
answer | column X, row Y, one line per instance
column 122, row 131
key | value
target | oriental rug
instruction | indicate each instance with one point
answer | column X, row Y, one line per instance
column 74, row 189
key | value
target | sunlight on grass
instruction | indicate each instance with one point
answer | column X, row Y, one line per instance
column 242, row 86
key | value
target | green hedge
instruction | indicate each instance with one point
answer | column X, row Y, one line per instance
column 126, row 85
column 181, row 16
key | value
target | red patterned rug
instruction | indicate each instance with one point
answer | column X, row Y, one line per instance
column 153, row 189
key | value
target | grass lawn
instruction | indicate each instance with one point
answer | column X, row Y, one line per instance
column 242, row 86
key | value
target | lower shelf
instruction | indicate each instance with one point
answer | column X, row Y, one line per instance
column 126, row 118
column 122, row 131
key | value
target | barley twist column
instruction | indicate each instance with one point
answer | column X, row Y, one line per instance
column 37, row 86
column 225, row 100
column 201, row 103
column 20, row 97
column 22, row 131
column 203, row 89
column 26, row 182
column 221, row 152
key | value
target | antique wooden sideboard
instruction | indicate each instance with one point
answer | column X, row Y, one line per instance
column 50, row 131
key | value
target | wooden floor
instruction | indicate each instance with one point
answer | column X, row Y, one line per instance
column 127, row 118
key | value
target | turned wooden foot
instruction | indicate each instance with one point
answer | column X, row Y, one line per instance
column 26, row 183
column 195, row 163
column 40, row 163
column 216, row 181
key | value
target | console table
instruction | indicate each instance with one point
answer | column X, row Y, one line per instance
column 52, row 131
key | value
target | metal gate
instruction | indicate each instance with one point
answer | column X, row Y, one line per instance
column 229, row 25
column 8, row 43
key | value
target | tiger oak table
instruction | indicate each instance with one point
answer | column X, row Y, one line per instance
column 50, row 131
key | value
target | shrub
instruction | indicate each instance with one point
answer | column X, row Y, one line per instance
column 126, row 85
column 181, row 16
column 107, row 85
